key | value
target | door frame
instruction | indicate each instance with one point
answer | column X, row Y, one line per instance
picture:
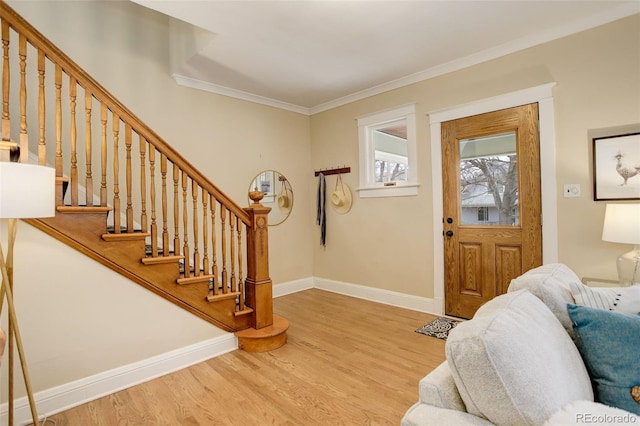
column 544, row 97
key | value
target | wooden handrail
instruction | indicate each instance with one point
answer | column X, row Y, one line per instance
column 196, row 212
column 52, row 52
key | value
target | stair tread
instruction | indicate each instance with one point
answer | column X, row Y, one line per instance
column 279, row 326
column 195, row 279
column 264, row 339
column 125, row 236
column 111, row 229
column 83, row 209
column 222, row 296
column 150, row 260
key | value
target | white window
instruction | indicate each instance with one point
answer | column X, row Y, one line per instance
column 483, row 214
column 388, row 166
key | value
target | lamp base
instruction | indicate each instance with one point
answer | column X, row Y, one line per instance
column 629, row 267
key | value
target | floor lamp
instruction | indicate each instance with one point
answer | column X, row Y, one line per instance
column 26, row 191
column 622, row 225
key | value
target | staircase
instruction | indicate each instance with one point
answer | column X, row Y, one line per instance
column 127, row 199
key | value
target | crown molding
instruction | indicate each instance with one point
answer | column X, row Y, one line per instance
column 237, row 94
column 573, row 27
column 622, row 11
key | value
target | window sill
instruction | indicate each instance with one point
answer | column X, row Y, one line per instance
column 389, row 191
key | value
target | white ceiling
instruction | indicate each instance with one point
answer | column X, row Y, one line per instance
column 309, row 56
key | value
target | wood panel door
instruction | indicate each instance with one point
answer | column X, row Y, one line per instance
column 492, row 204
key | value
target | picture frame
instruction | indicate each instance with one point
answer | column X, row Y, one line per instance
column 616, row 167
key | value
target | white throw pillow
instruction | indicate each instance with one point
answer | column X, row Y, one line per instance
column 620, row 299
column 514, row 363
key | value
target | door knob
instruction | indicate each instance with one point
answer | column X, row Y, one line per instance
column 449, row 234
column 449, row 220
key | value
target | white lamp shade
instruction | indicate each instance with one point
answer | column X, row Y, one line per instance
column 26, row 191
column 622, row 223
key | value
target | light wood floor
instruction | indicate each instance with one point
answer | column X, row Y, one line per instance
column 347, row 362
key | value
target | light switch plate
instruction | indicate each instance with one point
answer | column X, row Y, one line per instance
column 571, row 190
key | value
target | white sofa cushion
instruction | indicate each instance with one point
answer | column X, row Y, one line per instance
column 551, row 284
column 421, row 414
column 513, row 363
column 439, row 389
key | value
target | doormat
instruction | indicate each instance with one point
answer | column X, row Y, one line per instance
column 439, row 328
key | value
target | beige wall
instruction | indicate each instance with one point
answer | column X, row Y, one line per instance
column 88, row 319
column 125, row 47
column 387, row 243
column 382, row 243
column 78, row 318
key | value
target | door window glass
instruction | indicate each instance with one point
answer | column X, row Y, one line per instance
column 489, row 180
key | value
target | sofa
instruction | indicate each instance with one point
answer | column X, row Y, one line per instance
column 551, row 351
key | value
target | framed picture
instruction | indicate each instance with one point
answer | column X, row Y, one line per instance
column 616, row 167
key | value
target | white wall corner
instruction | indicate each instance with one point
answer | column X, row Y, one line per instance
column 69, row 395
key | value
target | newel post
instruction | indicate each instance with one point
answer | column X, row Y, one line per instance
column 258, row 285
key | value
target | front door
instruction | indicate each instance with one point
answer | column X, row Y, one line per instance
column 492, row 208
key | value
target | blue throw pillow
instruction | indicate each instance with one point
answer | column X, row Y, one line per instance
column 609, row 343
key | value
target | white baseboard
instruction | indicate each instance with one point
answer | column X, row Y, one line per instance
column 387, row 297
column 64, row 397
column 422, row 304
column 289, row 287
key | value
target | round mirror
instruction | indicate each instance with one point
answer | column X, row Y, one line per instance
column 277, row 194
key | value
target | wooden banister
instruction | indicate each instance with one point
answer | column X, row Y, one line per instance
column 147, row 188
column 35, row 38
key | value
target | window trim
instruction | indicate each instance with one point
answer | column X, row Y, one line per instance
column 367, row 124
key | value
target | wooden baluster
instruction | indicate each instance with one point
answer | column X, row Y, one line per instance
column 88, row 147
column 103, row 154
column 73, row 139
column 152, row 183
column 116, row 173
column 143, row 183
column 240, row 278
column 128, row 140
column 223, row 248
column 232, row 238
column 6, row 80
column 205, row 232
column 59, row 164
column 176, row 211
column 196, row 252
column 42, row 147
column 185, row 222
column 24, row 136
column 165, row 232
column 214, row 267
